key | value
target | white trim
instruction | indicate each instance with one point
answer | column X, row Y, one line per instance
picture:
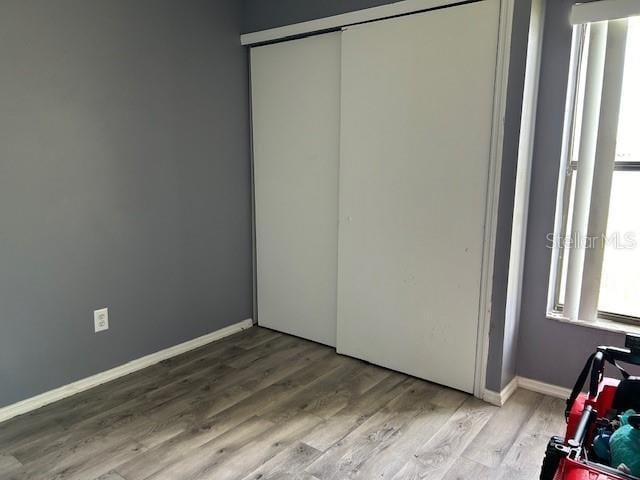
column 493, row 194
column 65, row 391
column 543, row 388
column 338, row 21
column 500, row 398
column 598, row 324
column 523, row 175
column 603, row 10
column 567, row 135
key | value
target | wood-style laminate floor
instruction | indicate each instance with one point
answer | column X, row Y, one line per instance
column 263, row 405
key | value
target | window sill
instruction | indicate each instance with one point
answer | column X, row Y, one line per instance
column 599, row 324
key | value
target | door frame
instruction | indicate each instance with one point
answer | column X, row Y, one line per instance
column 493, row 193
column 406, row 7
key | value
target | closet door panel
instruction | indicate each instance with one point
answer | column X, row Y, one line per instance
column 416, row 116
column 296, row 119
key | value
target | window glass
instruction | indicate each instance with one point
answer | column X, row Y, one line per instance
column 620, row 284
column 628, row 142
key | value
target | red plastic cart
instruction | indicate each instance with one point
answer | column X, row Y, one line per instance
column 569, row 458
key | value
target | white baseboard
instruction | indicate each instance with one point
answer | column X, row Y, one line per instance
column 500, row 398
column 544, row 388
column 51, row 396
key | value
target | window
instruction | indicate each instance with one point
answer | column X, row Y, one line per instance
column 595, row 272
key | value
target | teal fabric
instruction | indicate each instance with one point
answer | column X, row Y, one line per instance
column 625, row 445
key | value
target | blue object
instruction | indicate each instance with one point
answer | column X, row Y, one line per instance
column 625, row 445
column 601, row 446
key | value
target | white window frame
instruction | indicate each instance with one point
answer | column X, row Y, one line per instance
column 601, row 27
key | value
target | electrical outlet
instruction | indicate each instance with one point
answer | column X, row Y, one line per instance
column 101, row 319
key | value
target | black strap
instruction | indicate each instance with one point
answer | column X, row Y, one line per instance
column 582, row 378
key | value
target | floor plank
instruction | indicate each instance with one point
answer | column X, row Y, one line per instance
column 290, row 462
column 110, row 476
column 497, row 436
column 412, row 436
column 9, row 465
column 347, row 456
column 464, row 469
column 355, row 413
column 528, row 448
column 438, row 455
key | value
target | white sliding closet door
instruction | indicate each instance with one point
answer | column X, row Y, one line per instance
column 417, row 98
column 296, row 122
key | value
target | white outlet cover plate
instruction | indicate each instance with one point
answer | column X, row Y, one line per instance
column 101, row 319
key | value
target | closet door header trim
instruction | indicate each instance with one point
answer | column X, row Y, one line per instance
column 336, row 22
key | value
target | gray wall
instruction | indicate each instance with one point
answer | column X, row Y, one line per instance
column 550, row 351
column 124, row 182
column 263, row 14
